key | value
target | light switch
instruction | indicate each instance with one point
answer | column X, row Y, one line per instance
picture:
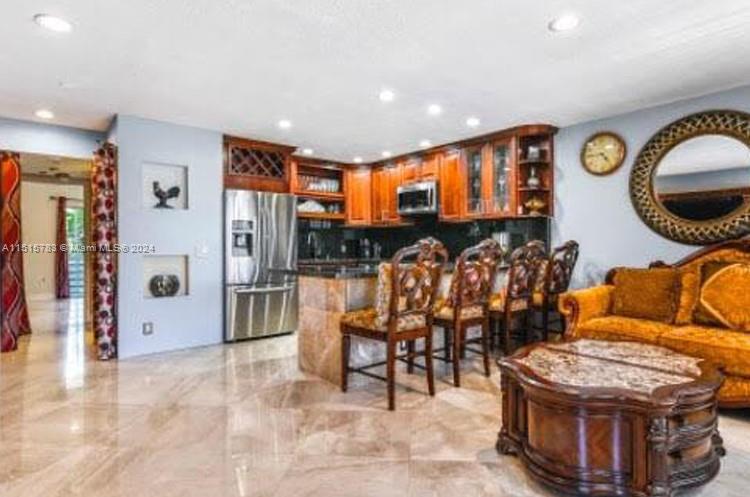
column 148, row 328
column 202, row 251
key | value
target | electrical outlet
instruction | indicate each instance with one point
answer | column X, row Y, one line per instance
column 148, row 328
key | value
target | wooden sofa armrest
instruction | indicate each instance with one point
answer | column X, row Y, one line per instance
column 581, row 305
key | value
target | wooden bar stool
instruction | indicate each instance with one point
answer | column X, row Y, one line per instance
column 468, row 302
column 403, row 312
column 526, row 262
column 557, row 275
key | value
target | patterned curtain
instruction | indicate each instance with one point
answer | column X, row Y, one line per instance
column 62, row 278
column 15, row 315
column 104, row 226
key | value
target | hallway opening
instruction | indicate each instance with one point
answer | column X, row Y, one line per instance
column 57, row 270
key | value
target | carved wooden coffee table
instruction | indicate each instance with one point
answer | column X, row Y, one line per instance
column 590, row 417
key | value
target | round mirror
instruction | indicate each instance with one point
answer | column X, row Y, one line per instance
column 704, row 178
column 691, row 181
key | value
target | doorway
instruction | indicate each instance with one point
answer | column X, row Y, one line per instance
column 83, row 279
column 56, row 207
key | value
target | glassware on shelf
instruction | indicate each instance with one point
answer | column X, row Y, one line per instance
column 501, row 173
column 475, row 181
column 533, row 180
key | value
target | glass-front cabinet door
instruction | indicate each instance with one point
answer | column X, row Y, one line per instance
column 474, row 197
column 502, row 180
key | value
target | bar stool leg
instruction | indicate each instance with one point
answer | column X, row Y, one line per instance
column 545, row 321
column 345, row 347
column 391, row 374
column 508, row 326
column 410, row 357
column 428, row 364
column 457, row 343
column 486, row 345
column 447, row 343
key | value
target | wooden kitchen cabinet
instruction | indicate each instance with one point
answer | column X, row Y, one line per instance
column 490, row 179
column 379, row 200
column 256, row 165
column 451, row 184
column 476, row 180
column 501, row 197
column 505, row 174
column 429, row 167
column 394, row 181
column 358, row 189
column 385, row 181
column 410, row 170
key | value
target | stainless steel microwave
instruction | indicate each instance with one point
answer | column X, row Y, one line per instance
column 418, row 198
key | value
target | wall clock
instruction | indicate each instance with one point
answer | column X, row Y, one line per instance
column 603, row 153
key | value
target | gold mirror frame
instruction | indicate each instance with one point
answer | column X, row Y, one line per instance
column 729, row 123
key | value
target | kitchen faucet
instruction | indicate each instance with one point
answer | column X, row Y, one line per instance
column 313, row 242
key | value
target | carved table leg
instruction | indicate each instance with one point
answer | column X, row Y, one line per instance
column 718, row 444
column 504, row 446
column 658, row 471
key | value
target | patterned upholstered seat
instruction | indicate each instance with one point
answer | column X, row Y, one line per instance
column 368, row 319
column 497, row 303
column 471, row 312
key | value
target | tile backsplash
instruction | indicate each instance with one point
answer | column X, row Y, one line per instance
column 322, row 240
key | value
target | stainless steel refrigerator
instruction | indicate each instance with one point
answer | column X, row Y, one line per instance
column 260, row 264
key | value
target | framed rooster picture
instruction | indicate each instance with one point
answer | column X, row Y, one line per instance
column 165, row 186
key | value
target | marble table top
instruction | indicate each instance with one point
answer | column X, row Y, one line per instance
column 630, row 366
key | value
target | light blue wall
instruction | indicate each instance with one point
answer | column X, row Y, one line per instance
column 179, row 322
column 37, row 138
column 596, row 211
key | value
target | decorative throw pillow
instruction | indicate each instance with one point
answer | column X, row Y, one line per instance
column 701, row 315
column 690, row 281
column 724, row 298
column 646, row 293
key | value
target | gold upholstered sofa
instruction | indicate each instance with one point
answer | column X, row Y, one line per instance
column 699, row 306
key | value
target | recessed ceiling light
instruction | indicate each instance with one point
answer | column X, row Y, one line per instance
column 434, row 110
column 425, row 143
column 386, row 95
column 357, row 160
column 563, row 23
column 53, row 23
column 285, row 124
column 387, row 154
column 473, row 122
column 44, row 114
column 307, row 151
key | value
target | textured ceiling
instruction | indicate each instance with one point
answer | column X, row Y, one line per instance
column 241, row 65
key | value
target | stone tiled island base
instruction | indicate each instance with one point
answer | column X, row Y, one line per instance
column 322, row 302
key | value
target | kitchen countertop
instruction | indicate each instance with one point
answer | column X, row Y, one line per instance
column 349, row 268
column 338, row 268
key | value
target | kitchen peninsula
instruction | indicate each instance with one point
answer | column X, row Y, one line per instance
column 327, row 291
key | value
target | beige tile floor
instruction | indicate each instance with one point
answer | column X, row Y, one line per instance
column 241, row 420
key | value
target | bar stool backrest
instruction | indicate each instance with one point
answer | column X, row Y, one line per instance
column 560, row 268
column 474, row 275
column 415, row 279
column 526, row 262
